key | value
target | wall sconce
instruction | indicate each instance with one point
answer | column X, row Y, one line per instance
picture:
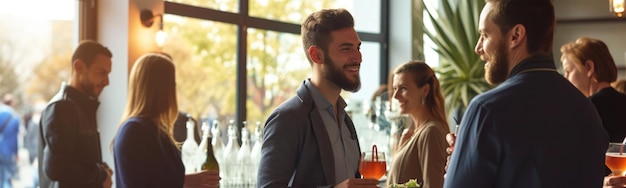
column 147, row 19
column 617, row 7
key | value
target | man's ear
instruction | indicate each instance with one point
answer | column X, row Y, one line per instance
column 518, row 34
column 590, row 69
column 316, row 54
column 79, row 66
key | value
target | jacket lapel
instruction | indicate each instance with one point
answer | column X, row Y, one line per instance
column 326, row 153
column 320, row 134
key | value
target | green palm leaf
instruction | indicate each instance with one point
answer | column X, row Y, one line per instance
column 455, row 34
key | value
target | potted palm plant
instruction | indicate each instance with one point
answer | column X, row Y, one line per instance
column 454, row 33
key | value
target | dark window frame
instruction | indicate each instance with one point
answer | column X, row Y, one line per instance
column 243, row 20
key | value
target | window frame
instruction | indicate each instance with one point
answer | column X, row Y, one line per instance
column 243, row 20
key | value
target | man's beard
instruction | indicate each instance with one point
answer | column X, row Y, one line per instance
column 498, row 69
column 337, row 76
column 87, row 87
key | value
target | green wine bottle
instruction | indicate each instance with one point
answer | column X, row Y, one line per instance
column 210, row 163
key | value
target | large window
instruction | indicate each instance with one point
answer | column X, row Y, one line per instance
column 276, row 67
column 36, row 44
column 222, row 5
column 250, row 59
column 205, row 56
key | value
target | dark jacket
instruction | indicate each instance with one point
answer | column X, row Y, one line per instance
column 296, row 148
column 611, row 106
column 69, row 146
column 534, row 130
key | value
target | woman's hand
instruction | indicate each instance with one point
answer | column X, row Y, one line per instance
column 451, row 138
column 207, row 178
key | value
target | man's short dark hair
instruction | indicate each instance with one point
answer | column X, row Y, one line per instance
column 537, row 16
column 317, row 26
column 87, row 51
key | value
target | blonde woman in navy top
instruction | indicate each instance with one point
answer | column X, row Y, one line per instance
column 144, row 149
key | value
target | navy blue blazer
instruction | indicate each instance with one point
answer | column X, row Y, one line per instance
column 534, row 130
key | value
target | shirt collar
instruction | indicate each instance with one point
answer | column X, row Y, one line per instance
column 80, row 97
column 321, row 101
column 534, row 62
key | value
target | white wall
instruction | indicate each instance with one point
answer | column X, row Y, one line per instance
column 400, row 32
column 612, row 33
column 120, row 29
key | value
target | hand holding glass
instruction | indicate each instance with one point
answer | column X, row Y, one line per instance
column 373, row 165
column 616, row 159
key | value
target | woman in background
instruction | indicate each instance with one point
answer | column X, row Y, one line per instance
column 588, row 64
column 421, row 154
column 144, row 149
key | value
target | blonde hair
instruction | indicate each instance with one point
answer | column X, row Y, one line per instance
column 152, row 92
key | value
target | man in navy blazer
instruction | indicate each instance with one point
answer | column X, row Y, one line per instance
column 309, row 140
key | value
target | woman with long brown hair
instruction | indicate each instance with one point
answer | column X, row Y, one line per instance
column 421, row 155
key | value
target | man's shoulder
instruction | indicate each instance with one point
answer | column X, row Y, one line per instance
column 293, row 104
column 4, row 109
column 492, row 97
column 7, row 112
column 60, row 104
column 59, row 108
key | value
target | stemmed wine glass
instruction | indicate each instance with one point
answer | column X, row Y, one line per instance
column 616, row 159
column 373, row 164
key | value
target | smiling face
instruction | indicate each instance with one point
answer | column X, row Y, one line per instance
column 342, row 59
column 407, row 93
column 491, row 48
column 576, row 74
column 94, row 78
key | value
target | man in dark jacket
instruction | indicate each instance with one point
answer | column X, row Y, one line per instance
column 70, row 154
column 535, row 129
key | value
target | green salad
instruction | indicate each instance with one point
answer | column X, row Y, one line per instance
column 412, row 183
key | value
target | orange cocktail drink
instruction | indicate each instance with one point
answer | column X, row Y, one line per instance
column 616, row 159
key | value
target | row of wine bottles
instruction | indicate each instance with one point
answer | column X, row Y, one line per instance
column 237, row 164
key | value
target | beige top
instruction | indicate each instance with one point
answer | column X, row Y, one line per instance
column 423, row 157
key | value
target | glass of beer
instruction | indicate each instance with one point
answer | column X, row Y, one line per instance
column 373, row 165
column 616, row 159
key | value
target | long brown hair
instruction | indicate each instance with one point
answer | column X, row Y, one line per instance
column 152, row 92
column 423, row 74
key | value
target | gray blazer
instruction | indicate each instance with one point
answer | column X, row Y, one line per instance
column 296, row 149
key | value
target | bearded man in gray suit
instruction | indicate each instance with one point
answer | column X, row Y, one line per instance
column 309, row 140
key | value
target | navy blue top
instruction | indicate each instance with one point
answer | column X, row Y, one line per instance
column 534, row 130
column 146, row 158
